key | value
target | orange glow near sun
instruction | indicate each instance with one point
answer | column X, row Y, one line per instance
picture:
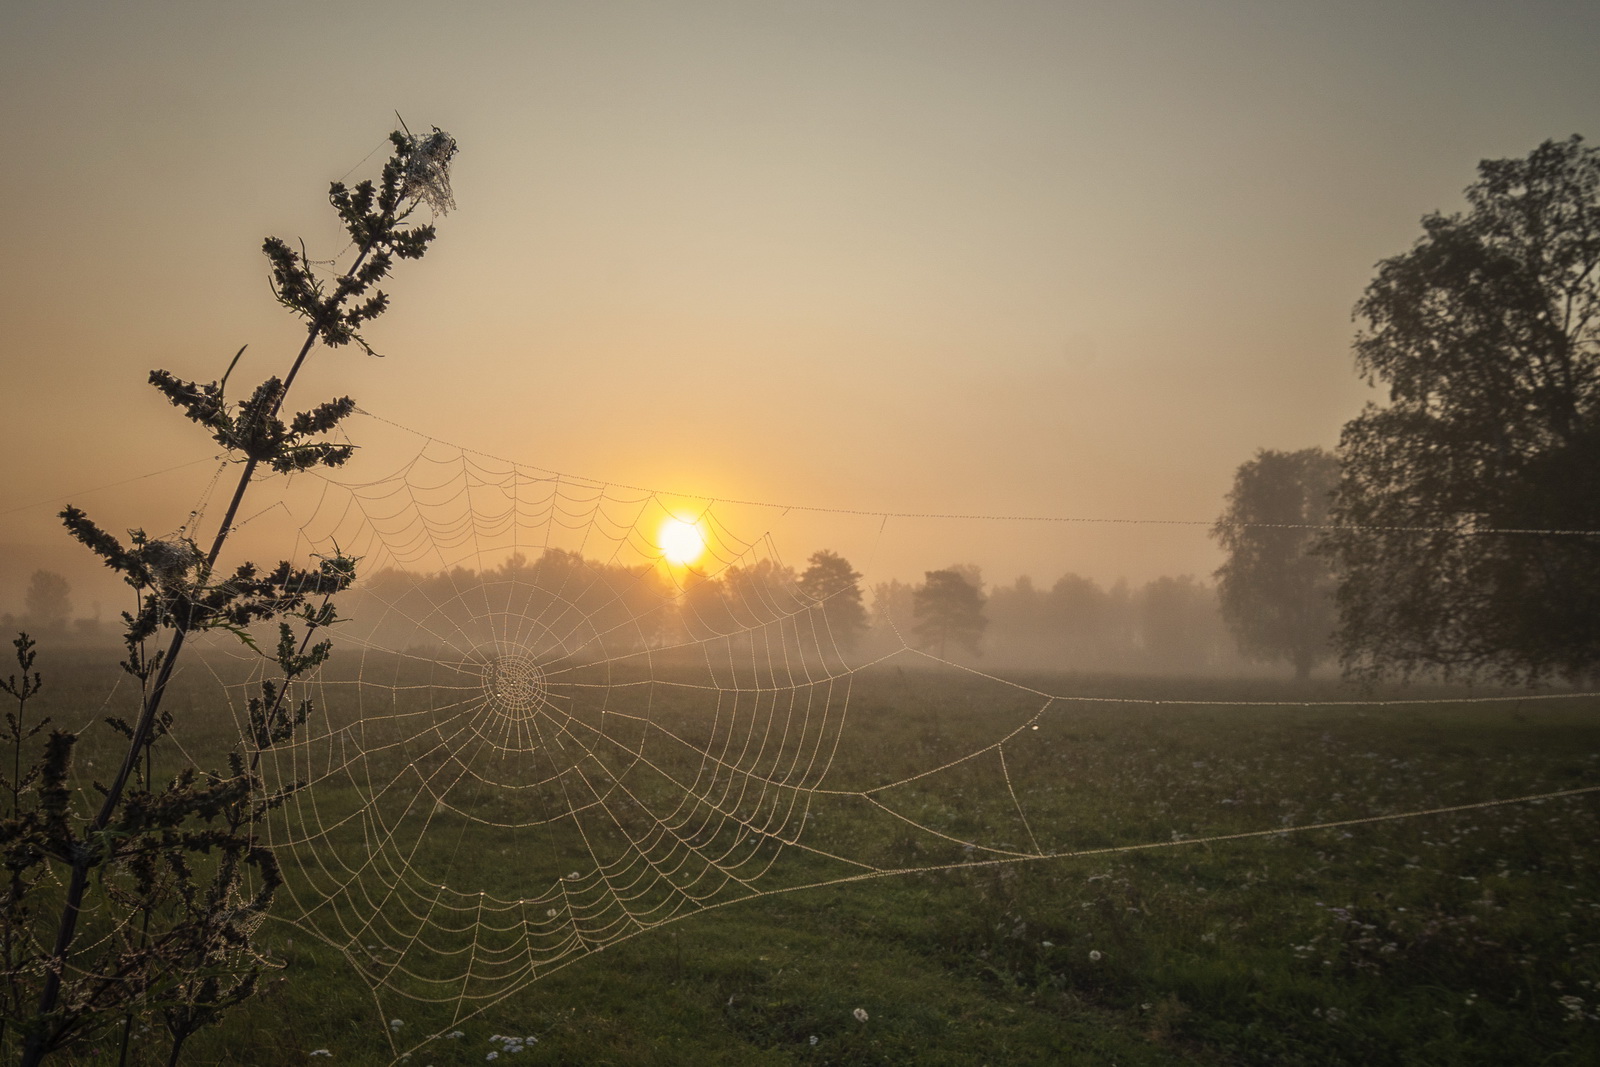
column 681, row 541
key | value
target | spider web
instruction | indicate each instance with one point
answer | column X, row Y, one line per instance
column 539, row 736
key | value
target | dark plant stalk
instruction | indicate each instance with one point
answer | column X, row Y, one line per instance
column 127, row 1032
column 237, row 817
column 37, row 1045
column 144, row 919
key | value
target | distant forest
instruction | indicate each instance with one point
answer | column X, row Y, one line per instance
column 563, row 604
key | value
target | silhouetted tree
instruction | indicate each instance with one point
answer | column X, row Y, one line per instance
column 891, row 615
column 1019, row 628
column 893, row 610
column 1088, row 624
column 1487, row 336
column 834, row 590
column 1276, row 595
column 701, row 608
column 48, row 602
column 760, row 593
column 1179, row 624
column 948, row 607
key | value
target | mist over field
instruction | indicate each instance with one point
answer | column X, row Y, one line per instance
column 1166, row 626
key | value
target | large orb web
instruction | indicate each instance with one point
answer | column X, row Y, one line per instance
column 539, row 734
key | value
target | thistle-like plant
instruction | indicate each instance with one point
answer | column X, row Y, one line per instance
column 178, row 874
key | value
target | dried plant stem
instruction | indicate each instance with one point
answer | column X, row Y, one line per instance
column 177, row 595
column 72, row 904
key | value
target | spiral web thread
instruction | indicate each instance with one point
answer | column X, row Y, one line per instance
column 539, row 737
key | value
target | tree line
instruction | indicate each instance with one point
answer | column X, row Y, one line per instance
column 589, row 609
column 1170, row 625
column 48, row 611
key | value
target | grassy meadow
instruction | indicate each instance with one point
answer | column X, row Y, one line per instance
column 1470, row 937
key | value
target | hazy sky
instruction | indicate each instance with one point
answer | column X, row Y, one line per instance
column 1056, row 258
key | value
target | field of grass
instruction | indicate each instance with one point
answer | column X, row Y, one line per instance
column 1459, row 938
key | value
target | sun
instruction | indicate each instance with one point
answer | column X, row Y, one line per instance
column 681, row 541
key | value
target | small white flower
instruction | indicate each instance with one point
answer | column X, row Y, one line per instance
column 396, row 1024
column 1094, row 954
column 320, row 1052
column 492, row 1056
column 860, row 1014
column 455, row 1035
column 1047, row 944
column 812, row 1039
